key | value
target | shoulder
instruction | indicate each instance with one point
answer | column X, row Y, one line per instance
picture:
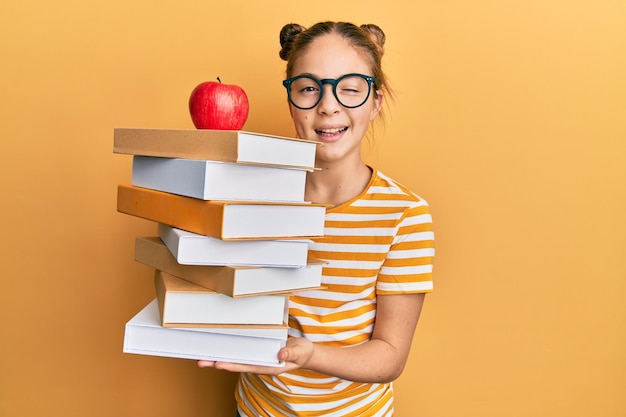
column 384, row 188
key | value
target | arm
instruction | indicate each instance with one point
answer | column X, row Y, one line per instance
column 381, row 359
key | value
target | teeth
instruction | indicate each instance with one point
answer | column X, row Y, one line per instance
column 331, row 131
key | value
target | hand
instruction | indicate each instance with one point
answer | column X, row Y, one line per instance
column 296, row 354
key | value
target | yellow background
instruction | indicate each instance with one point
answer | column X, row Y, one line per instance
column 510, row 120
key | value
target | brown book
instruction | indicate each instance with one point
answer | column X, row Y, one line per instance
column 184, row 304
column 216, row 145
column 223, row 219
column 230, row 280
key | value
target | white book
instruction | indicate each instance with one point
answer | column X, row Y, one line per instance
column 245, row 220
column 213, row 180
column 194, row 249
column 144, row 335
column 234, row 281
column 184, row 304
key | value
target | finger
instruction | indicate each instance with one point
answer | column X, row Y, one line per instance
column 254, row 369
column 206, row 364
column 238, row 367
column 284, row 355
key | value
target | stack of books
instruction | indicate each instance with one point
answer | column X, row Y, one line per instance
column 233, row 232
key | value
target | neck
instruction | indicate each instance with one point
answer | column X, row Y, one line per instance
column 336, row 184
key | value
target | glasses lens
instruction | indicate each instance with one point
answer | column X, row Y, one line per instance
column 304, row 92
column 352, row 91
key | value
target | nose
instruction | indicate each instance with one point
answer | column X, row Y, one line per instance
column 328, row 103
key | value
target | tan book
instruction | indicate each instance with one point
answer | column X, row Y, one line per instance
column 223, row 219
column 230, row 280
column 216, row 145
column 184, row 304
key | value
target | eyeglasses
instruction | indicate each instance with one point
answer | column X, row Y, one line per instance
column 350, row 90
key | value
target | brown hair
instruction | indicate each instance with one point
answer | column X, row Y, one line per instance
column 369, row 38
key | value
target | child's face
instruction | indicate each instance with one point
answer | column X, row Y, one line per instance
column 341, row 129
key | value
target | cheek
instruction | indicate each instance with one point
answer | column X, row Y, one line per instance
column 365, row 116
column 301, row 118
column 300, row 122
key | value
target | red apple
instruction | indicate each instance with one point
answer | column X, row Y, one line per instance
column 214, row 105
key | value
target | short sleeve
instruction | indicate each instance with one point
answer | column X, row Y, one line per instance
column 408, row 266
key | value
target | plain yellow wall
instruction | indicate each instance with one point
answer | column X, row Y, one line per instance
column 510, row 120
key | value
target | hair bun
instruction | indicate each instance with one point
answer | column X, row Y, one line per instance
column 288, row 34
column 376, row 35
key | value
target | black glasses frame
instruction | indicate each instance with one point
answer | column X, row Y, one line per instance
column 332, row 81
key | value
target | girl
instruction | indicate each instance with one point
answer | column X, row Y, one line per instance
column 350, row 340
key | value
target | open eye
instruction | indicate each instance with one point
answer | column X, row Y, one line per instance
column 305, row 85
column 309, row 89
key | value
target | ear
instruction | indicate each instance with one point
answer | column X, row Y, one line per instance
column 378, row 104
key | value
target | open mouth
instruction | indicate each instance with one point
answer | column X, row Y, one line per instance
column 330, row 132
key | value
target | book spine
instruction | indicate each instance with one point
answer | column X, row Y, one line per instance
column 186, row 213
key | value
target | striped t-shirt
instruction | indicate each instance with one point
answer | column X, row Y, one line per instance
column 379, row 243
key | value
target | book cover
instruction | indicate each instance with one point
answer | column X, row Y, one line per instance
column 184, row 304
column 216, row 145
column 234, row 281
column 194, row 249
column 144, row 335
column 223, row 219
column 211, row 180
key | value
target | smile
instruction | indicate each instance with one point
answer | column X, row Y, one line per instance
column 330, row 132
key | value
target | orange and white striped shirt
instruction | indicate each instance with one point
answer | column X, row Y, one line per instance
column 379, row 243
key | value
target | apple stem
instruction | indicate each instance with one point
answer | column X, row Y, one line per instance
column 218, row 79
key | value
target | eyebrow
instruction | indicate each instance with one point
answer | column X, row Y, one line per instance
column 307, row 74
